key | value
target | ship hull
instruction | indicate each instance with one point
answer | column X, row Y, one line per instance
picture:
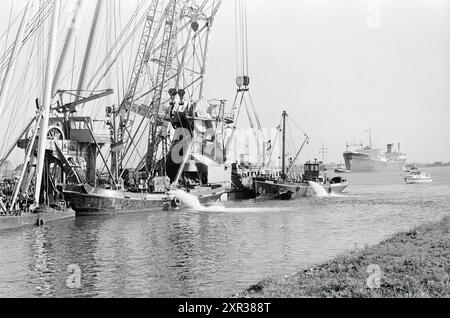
column 98, row 202
column 108, row 202
column 208, row 195
column 412, row 180
column 360, row 163
column 269, row 189
column 34, row 219
column 243, row 194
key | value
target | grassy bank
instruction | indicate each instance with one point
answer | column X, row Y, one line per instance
column 412, row 264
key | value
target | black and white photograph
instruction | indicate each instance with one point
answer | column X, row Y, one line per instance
column 241, row 150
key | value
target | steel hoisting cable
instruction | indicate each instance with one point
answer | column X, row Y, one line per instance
column 238, row 43
column 11, row 23
column 242, row 68
column 9, row 26
column 273, row 144
column 296, row 125
column 113, row 61
column 237, row 37
column 35, row 23
column 242, row 36
column 117, row 42
column 258, row 122
column 307, row 139
column 291, row 138
column 252, row 126
column 246, row 37
column 18, row 92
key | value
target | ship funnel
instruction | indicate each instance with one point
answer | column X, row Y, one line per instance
column 389, row 148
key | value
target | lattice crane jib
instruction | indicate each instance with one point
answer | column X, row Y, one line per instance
column 172, row 54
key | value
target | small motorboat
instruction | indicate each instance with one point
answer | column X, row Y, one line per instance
column 340, row 169
column 417, row 176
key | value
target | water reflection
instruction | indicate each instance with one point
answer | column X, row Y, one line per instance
column 215, row 251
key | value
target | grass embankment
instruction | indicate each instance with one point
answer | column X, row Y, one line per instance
column 413, row 264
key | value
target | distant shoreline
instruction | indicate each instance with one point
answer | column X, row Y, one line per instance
column 410, row 264
column 431, row 164
column 419, row 165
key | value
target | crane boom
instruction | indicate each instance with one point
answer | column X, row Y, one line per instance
column 127, row 106
column 164, row 71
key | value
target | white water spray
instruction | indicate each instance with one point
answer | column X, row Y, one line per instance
column 318, row 190
column 191, row 202
column 186, row 199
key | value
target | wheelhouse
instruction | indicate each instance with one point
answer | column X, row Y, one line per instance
column 312, row 171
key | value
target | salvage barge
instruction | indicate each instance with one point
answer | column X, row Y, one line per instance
column 27, row 200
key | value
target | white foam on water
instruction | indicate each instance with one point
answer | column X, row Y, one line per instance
column 191, row 202
column 318, row 190
column 224, row 209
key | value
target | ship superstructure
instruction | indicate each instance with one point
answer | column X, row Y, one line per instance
column 368, row 159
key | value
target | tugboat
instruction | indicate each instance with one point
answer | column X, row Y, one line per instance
column 284, row 187
column 417, row 176
column 289, row 189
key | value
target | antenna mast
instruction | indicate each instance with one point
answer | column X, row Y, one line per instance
column 283, row 155
column 323, row 151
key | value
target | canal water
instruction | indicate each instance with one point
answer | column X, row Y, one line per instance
column 212, row 251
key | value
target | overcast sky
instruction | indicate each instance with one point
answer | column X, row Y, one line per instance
column 340, row 67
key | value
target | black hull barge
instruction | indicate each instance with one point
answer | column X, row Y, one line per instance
column 40, row 217
column 87, row 201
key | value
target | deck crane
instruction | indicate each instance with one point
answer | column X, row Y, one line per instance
column 243, row 96
column 195, row 25
column 128, row 107
column 172, row 56
column 165, row 71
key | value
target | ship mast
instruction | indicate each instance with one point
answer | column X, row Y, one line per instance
column 50, row 67
column 283, row 155
column 88, row 52
column 370, row 137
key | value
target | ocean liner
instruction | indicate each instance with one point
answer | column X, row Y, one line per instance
column 368, row 159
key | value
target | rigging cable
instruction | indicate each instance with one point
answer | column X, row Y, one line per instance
column 18, row 106
column 122, row 48
column 9, row 26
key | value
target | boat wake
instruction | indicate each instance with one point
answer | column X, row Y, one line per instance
column 191, row 202
column 318, row 191
column 186, row 199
